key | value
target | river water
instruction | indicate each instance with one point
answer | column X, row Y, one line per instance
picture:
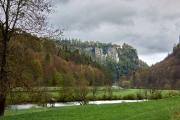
column 60, row 104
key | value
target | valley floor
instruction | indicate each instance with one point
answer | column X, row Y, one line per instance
column 163, row 109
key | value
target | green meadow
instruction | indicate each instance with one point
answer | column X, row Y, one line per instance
column 162, row 109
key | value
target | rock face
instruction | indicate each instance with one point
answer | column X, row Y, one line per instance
column 101, row 55
column 113, row 53
column 121, row 59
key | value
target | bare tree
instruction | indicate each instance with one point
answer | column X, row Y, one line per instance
column 16, row 18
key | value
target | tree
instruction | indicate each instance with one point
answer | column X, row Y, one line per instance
column 82, row 88
column 67, row 87
column 26, row 74
column 126, row 84
column 19, row 17
column 57, row 80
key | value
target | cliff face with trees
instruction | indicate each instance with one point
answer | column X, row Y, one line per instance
column 162, row 75
column 121, row 59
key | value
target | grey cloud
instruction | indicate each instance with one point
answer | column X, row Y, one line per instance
column 92, row 15
column 152, row 14
column 149, row 44
column 146, row 25
column 172, row 16
column 177, row 25
column 155, row 44
column 60, row 1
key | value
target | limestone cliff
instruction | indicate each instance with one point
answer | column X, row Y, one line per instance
column 121, row 59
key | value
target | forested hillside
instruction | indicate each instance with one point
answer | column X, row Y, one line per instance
column 47, row 63
column 162, row 75
column 121, row 59
column 54, row 62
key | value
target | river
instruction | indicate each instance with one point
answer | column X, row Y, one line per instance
column 60, row 104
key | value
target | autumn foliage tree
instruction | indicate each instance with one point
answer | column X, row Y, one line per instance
column 18, row 17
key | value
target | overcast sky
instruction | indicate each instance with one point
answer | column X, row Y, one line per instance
column 150, row 26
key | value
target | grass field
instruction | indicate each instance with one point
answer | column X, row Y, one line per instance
column 163, row 109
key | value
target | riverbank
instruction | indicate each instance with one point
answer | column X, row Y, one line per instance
column 163, row 109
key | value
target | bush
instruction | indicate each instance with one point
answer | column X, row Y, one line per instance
column 139, row 95
column 103, row 97
column 66, row 98
column 129, row 97
column 115, row 97
column 171, row 94
column 91, row 98
column 156, row 95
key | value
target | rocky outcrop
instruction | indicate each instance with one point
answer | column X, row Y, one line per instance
column 121, row 59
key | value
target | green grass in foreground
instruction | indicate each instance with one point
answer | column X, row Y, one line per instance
column 164, row 109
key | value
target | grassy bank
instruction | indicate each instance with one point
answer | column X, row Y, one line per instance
column 163, row 109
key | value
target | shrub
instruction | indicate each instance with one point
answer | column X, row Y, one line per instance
column 115, row 97
column 139, row 95
column 156, row 95
column 103, row 97
column 92, row 98
column 129, row 97
column 171, row 94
